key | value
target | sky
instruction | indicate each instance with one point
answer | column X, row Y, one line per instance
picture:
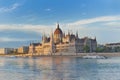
column 24, row 21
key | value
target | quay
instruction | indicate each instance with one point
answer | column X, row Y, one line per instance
column 77, row 55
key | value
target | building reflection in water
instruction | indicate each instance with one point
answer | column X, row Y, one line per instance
column 49, row 68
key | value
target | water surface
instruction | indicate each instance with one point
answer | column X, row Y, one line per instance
column 59, row 68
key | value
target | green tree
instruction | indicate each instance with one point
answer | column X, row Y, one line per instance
column 100, row 49
column 86, row 49
column 117, row 49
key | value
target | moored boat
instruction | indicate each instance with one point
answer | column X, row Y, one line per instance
column 94, row 57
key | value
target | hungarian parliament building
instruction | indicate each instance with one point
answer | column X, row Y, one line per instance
column 59, row 43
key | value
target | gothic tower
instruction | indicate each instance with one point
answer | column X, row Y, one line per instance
column 52, row 45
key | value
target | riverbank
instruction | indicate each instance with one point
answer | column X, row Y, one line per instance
column 76, row 55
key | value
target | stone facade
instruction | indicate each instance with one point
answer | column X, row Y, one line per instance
column 6, row 50
column 113, row 45
column 23, row 49
column 60, row 43
column 81, row 43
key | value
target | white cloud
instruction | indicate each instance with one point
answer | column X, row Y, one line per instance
column 27, row 28
column 48, row 9
column 115, row 24
column 40, row 29
column 81, row 25
column 106, row 26
column 94, row 20
column 8, row 39
column 9, row 9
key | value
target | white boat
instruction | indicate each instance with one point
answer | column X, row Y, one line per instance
column 12, row 56
column 94, row 57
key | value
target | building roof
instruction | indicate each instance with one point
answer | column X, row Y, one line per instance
column 35, row 44
column 58, row 30
column 113, row 44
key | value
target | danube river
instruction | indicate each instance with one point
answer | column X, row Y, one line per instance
column 59, row 68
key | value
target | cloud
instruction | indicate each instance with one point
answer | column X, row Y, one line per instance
column 112, row 24
column 27, row 28
column 74, row 26
column 39, row 29
column 9, row 9
column 106, row 26
column 80, row 24
column 8, row 39
column 48, row 9
column 95, row 20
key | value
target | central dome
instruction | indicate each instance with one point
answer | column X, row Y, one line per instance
column 58, row 35
column 58, row 30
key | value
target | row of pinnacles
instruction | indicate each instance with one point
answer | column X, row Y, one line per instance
column 60, row 43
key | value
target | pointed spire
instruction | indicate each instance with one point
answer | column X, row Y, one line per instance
column 43, row 38
column 64, row 34
column 77, row 34
column 57, row 24
column 52, row 43
column 51, row 38
column 95, row 38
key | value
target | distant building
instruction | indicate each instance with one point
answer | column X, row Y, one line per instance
column 60, row 43
column 113, row 45
column 23, row 49
column 83, row 42
column 15, row 50
column 6, row 50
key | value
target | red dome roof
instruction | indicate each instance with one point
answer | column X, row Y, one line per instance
column 58, row 30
